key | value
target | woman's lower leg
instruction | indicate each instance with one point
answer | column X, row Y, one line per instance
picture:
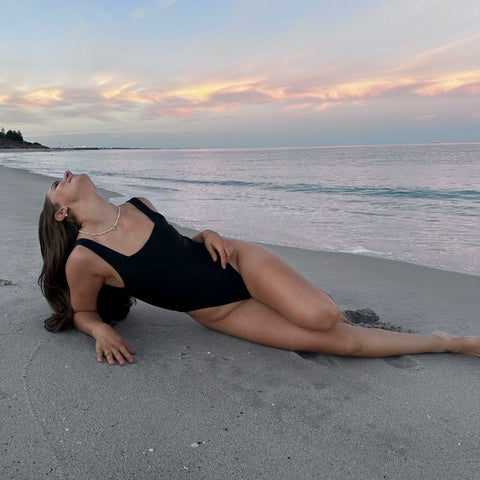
column 357, row 341
column 256, row 322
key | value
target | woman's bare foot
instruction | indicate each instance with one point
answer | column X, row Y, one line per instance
column 464, row 345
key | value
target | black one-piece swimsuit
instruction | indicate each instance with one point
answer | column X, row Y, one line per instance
column 172, row 271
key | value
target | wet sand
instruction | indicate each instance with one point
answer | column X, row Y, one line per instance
column 198, row 404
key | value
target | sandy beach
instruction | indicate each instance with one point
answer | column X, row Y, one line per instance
column 197, row 404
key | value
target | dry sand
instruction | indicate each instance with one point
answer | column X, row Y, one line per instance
column 200, row 405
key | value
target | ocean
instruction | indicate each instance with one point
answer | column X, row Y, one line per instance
column 412, row 203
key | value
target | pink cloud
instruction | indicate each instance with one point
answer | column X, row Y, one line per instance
column 295, row 96
column 468, row 82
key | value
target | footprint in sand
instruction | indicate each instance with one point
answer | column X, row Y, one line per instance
column 186, row 354
column 6, row 282
column 320, row 358
column 403, row 362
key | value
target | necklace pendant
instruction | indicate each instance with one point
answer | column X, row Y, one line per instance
column 115, row 228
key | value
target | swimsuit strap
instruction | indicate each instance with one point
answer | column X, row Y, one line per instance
column 153, row 216
column 109, row 255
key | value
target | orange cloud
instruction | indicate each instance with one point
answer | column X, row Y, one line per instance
column 468, row 81
column 43, row 97
column 294, row 96
column 353, row 90
column 117, row 92
column 202, row 93
column 197, row 94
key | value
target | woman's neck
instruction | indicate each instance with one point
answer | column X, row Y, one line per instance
column 96, row 214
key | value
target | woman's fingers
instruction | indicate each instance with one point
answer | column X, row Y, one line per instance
column 212, row 252
column 215, row 252
column 110, row 355
column 127, row 353
column 226, row 253
column 119, row 355
column 223, row 258
column 130, row 350
column 99, row 356
column 219, row 247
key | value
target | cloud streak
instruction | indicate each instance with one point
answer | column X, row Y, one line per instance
column 231, row 95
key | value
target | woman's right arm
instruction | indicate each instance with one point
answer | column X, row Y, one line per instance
column 84, row 285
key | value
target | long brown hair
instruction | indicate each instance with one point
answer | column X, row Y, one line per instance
column 57, row 240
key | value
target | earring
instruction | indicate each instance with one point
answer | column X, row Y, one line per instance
column 66, row 214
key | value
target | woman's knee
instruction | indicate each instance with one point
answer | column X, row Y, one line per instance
column 332, row 315
column 321, row 317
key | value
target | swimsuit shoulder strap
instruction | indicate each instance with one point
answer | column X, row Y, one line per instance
column 152, row 215
column 102, row 251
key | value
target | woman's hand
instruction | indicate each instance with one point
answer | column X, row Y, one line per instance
column 218, row 246
column 112, row 346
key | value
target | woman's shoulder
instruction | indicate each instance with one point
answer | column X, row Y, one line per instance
column 83, row 265
column 80, row 257
column 84, row 275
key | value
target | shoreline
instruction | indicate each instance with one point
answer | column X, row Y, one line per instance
column 112, row 194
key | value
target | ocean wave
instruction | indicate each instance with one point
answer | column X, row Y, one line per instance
column 361, row 191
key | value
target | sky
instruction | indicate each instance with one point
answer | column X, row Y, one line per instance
column 240, row 73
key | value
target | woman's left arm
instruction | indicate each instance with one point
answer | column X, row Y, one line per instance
column 216, row 245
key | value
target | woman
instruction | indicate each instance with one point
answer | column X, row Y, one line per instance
column 97, row 255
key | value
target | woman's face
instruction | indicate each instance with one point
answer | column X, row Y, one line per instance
column 69, row 190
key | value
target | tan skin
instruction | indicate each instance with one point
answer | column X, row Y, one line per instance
column 288, row 313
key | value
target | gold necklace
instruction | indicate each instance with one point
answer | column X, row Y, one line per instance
column 114, row 227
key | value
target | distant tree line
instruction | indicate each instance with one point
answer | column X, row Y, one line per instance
column 12, row 135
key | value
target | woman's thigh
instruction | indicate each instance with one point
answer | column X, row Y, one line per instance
column 273, row 282
column 256, row 322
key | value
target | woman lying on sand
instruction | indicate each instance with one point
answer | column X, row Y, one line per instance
column 97, row 256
